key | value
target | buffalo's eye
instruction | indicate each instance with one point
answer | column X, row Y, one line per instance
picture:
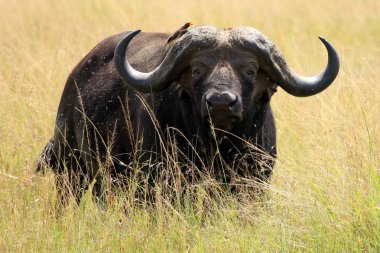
column 197, row 70
column 250, row 73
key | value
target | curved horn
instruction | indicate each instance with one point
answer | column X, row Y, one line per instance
column 277, row 68
column 171, row 66
column 301, row 86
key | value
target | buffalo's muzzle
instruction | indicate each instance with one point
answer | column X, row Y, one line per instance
column 224, row 108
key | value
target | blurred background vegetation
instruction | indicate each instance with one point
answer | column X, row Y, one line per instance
column 325, row 191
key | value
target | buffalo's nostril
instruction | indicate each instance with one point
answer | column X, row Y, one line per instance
column 232, row 103
column 230, row 99
column 210, row 100
column 209, row 104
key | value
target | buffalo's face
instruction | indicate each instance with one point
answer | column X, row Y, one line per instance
column 224, row 84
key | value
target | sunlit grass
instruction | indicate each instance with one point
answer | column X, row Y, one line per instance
column 324, row 193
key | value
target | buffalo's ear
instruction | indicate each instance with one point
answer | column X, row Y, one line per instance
column 265, row 87
column 181, row 31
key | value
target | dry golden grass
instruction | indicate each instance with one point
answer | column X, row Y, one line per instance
column 325, row 191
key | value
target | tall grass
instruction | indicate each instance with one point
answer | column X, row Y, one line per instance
column 324, row 193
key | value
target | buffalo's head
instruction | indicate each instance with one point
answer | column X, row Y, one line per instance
column 227, row 74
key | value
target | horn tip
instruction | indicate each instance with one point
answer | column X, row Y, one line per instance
column 323, row 39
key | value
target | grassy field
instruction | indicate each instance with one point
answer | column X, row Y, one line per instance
column 325, row 190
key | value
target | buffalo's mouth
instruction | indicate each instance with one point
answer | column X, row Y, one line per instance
column 222, row 123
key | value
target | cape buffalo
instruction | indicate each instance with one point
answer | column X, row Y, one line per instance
column 205, row 90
